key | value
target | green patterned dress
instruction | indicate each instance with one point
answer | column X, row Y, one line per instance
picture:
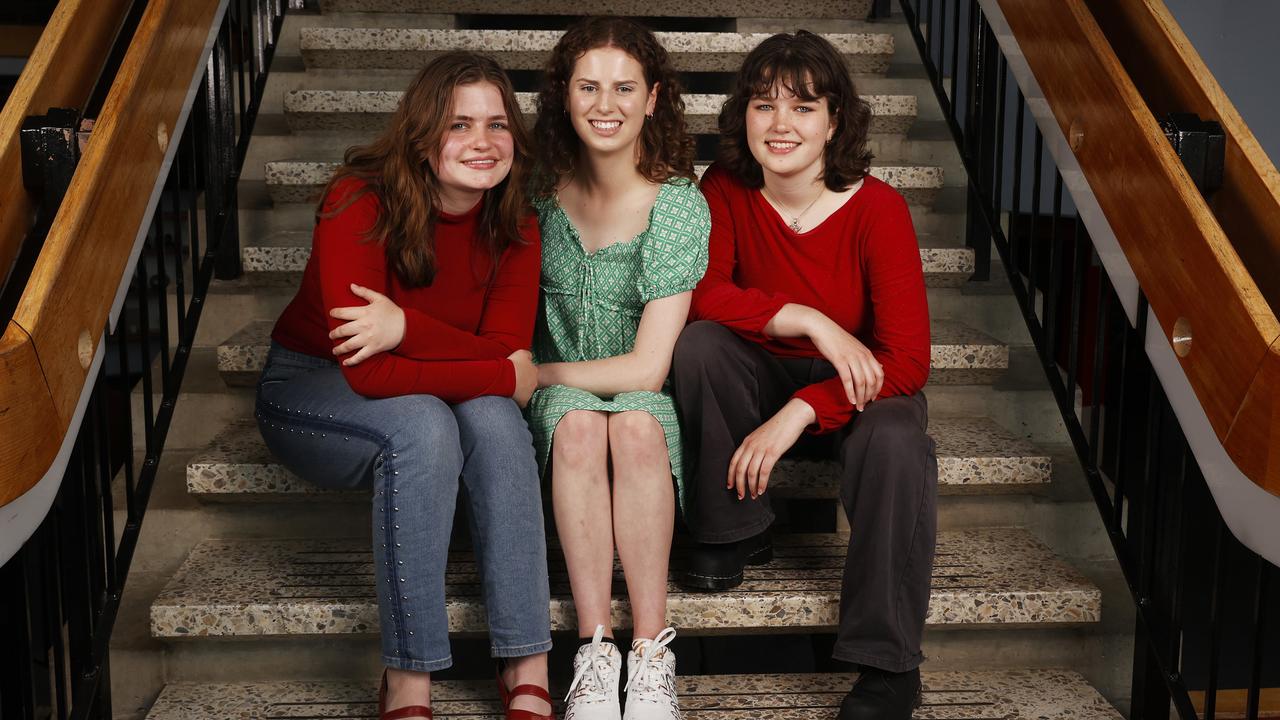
column 591, row 305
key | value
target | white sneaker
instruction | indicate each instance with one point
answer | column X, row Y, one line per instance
column 651, row 679
column 593, row 694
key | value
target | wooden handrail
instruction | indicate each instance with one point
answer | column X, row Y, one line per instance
column 1171, row 77
column 50, row 342
column 61, row 72
column 1188, row 268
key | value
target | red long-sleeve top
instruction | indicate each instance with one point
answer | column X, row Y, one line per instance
column 458, row 331
column 860, row 267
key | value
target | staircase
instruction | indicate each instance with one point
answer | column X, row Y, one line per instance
column 251, row 594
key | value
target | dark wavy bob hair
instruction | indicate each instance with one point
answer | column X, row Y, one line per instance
column 396, row 168
column 666, row 149
column 807, row 66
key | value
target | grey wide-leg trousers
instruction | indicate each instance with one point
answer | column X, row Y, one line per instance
column 725, row 387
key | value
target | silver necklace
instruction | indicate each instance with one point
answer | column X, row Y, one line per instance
column 795, row 221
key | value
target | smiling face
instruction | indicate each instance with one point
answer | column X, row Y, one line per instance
column 788, row 134
column 607, row 100
column 476, row 151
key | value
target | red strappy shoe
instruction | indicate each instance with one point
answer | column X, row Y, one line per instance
column 408, row 711
column 509, row 695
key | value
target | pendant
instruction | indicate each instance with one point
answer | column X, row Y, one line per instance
column 795, row 225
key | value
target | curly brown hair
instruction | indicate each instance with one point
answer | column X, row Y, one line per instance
column 395, row 167
column 666, row 149
column 807, row 66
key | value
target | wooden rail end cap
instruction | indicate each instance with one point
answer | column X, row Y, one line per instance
column 1253, row 441
column 30, row 429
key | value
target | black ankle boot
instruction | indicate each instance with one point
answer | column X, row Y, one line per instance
column 718, row 566
column 881, row 695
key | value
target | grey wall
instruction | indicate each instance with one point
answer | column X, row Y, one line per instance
column 1238, row 40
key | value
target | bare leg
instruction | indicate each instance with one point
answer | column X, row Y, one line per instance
column 407, row 687
column 643, row 515
column 580, row 497
column 527, row 670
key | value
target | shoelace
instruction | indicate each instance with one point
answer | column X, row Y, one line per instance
column 642, row 678
column 596, row 668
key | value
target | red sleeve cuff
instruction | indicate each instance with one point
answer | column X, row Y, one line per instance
column 829, row 404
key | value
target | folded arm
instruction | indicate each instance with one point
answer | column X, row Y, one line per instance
column 644, row 368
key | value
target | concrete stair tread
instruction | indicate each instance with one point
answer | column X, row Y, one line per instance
column 643, row 8
column 1049, row 694
column 353, row 47
column 278, row 265
column 960, row 354
column 292, row 181
column 975, row 455
column 982, row 577
column 369, row 110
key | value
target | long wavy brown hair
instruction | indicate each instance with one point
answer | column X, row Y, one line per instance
column 395, row 168
column 666, row 149
column 809, row 67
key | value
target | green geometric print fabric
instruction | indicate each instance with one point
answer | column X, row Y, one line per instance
column 591, row 306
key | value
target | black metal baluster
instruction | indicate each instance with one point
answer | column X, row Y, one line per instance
column 1037, row 169
column 955, row 60
column 1173, row 529
column 160, row 282
column 1217, row 590
column 53, row 611
column 988, row 96
column 1014, row 234
column 182, row 212
column 103, row 424
column 997, row 194
column 1080, row 266
column 1261, row 615
column 1049, row 334
column 144, row 344
column 930, row 28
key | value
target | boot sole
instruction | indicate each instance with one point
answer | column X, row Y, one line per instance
column 706, row 583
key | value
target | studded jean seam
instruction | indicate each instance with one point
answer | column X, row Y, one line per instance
column 321, row 426
column 482, row 442
column 303, row 406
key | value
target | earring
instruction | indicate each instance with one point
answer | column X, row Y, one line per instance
column 648, row 116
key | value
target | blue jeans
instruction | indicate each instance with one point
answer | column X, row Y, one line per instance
column 411, row 450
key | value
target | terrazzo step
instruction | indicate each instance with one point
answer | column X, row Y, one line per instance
column 282, row 265
column 975, row 455
column 302, row 181
column 1012, row 695
column 991, row 577
column 856, row 9
column 311, row 110
column 960, row 355
column 411, row 48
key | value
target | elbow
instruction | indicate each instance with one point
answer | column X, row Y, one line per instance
column 362, row 384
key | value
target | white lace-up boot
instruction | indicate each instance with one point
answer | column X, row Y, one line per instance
column 651, row 679
column 593, row 694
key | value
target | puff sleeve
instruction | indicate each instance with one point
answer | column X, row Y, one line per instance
column 673, row 257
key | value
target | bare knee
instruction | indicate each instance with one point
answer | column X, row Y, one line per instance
column 636, row 440
column 581, row 441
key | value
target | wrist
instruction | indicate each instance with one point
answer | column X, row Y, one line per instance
column 404, row 327
column 546, row 375
column 799, row 413
column 809, row 320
